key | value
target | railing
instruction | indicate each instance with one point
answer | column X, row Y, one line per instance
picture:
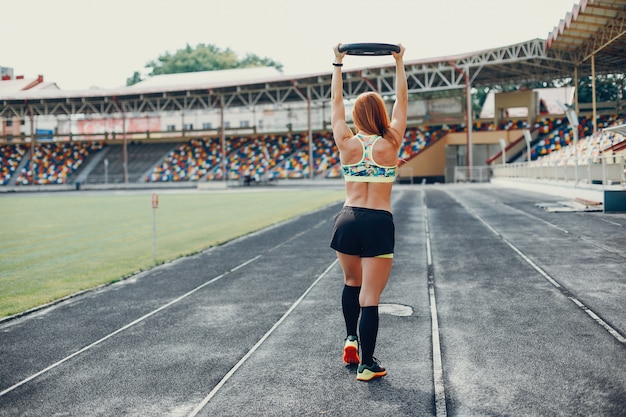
column 473, row 174
column 105, row 136
column 606, row 170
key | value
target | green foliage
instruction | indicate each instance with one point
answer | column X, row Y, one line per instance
column 134, row 79
column 479, row 95
column 202, row 58
column 252, row 60
column 608, row 88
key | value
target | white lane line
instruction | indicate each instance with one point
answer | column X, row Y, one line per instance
column 535, row 218
column 126, row 327
column 583, row 238
column 617, row 335
column 254, row 348
column 611, row 330
column 297, row 235
column 603, row 247
column 612, row 222
column 438, row 382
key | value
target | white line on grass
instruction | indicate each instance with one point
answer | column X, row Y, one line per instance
column 129, row 325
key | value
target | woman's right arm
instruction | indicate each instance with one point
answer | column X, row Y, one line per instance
column 341, row 130
column 400, row 107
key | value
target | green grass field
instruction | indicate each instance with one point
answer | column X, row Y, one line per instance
column 52, row 245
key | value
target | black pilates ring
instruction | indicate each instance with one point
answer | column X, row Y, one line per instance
column 368, row 49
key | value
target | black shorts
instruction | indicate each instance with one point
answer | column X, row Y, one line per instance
column 363, row 232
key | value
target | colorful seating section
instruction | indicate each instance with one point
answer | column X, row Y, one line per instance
column 325, row 154
column 556, row 134
column 10, row 158
column 295, row 163
column 258, row 156
column 283, row 156
column 514, row 124
column 419, row 138
column 55, row 162
column 190, row 161
column 590, row 146
column 278, row 156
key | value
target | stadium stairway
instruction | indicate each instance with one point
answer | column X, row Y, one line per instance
column 25, row 160
column 141, row 157
column 150, row 170
column 82, row 174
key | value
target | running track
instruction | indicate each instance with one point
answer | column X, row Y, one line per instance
column 495, row 307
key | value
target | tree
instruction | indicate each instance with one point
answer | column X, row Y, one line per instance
column 202, row 58
column 134, row 79
column 479, row 96
column 608, row 88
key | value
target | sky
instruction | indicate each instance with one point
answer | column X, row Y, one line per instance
column 82, row 44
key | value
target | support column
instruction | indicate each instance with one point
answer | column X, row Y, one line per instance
column 223, row 138
column 310, row 132
column 468, row 118
column 576, row 89
column 470, row 153
column 33, row 142
column 593, row 92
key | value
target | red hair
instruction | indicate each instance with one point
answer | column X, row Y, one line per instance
column 370, row 114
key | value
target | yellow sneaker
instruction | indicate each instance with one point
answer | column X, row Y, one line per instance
column 367, row 373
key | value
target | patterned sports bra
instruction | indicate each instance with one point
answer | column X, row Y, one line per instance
column 367, row 170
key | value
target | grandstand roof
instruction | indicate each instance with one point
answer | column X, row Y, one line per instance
column 14, row 85
column 594, row 27
column 193, row 79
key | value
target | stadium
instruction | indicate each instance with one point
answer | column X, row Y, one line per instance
column 221, row 126
column 165, row 245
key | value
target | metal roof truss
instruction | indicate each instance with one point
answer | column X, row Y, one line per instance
column 512, row 64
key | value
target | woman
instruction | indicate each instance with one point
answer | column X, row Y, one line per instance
column 363, row 233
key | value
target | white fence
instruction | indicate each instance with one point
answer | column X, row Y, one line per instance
column 607, row 170
column 473, row 174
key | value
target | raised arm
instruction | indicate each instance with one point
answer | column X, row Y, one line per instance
column 400, row 107
column 341, row 130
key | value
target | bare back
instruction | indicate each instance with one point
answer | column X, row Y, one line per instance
column 373, row 195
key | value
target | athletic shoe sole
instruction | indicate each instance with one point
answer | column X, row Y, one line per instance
column 351, row 353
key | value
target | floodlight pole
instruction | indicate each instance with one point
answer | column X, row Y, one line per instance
column 572, row 115
column 223, row 138
column 528, row 138
column 593, row 93
column 125, row 147
column 124, row 141
column 572, row 118
column 604, row 160
column 307, row 97
column 33, row 142
column 310, row 132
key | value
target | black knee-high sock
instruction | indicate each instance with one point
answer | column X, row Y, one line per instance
column 351, row 308
column 368, row 331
